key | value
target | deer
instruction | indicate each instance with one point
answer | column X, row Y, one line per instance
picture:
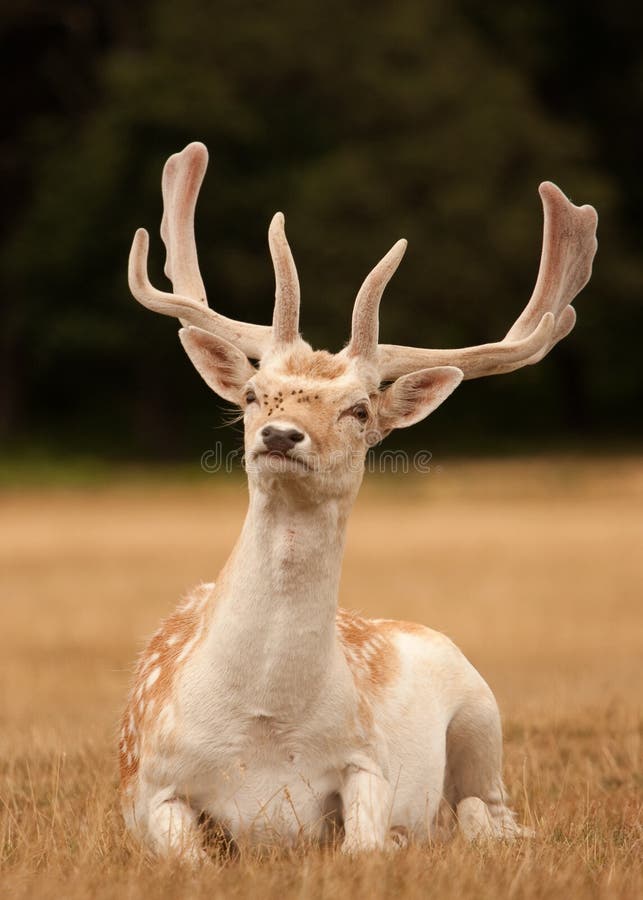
column 261, row 705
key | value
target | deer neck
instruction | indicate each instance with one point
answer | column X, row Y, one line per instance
column 273, row 632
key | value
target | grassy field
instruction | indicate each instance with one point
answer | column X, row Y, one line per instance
column 535, row 569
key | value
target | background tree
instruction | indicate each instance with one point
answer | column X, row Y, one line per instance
column 435, row 121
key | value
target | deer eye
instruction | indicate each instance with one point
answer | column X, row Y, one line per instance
column 360, row 411
column 251, row 397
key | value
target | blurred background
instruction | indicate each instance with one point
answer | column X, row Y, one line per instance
column 364, row 122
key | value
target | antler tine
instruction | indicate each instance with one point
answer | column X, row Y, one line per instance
column 365, row 325
column 182, row 179
column 285, row 320
column 253, row 340
column 569, row 246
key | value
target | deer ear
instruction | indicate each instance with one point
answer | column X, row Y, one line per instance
column 413, row 397
column 223, row 367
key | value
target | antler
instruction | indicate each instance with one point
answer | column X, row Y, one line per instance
column 569, row 246
column 365, row 327
column 285, row 318
column 182, row 178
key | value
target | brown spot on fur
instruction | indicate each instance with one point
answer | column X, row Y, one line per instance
column 369, row 652
column 155, row 673
column 371, row 658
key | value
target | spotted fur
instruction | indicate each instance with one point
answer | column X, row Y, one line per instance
column 155, row 673
column 370, row 652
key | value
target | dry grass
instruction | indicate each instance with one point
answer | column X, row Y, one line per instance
column 535, row 569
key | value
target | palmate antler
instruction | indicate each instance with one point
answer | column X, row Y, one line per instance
column 182, row 178
column 569, row 245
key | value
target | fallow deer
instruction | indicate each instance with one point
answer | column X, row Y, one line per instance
column 259, row 703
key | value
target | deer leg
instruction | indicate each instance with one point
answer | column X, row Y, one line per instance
column 173, row 828
column 366, row 799
column 474, row 764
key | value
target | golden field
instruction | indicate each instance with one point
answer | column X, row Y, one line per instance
column 534, row 568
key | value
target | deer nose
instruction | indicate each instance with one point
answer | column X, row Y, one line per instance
column 281, row 440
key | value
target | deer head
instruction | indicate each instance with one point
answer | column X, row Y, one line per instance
column 310, row 416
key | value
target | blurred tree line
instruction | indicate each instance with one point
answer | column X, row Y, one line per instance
column 364, row 122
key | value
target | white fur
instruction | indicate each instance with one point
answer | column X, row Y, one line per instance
column 265, row 711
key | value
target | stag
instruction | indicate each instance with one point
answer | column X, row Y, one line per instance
column 259, row 705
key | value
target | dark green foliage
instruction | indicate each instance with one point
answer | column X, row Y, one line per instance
column 363, row 122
